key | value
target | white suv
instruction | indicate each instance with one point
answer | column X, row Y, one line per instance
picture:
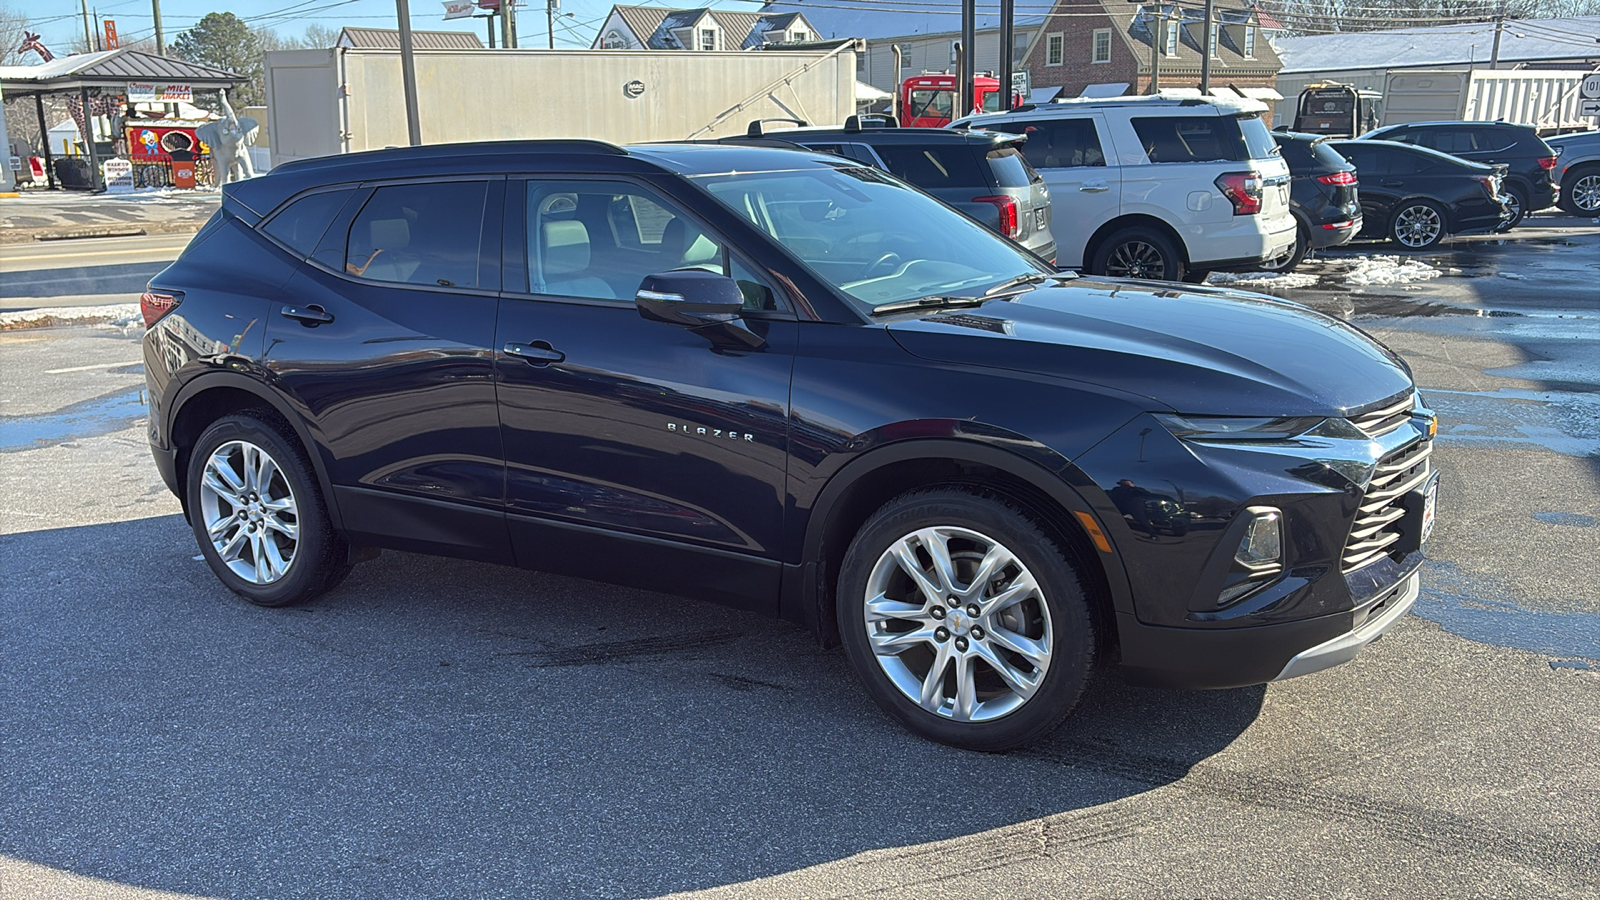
column 1157, row 187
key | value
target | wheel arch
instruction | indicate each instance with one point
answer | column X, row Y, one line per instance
column 1142, row 220
column 866, row 483
column 207, row 398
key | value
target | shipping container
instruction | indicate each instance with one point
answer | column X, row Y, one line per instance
column 322, row 102
column 1545, row 99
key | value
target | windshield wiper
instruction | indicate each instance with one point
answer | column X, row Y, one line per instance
column 1025, row 278
column 926, row 303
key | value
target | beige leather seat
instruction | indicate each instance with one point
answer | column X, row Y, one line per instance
column 564, row 261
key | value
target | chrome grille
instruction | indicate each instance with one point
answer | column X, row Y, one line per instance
column 1379, row 422
column 1371, row 534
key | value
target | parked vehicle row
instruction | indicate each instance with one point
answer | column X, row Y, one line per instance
column 1527, row 159
column 787, row 382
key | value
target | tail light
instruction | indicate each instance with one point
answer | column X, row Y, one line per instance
column 154, row 304
column 1338, row 178
column 1243, row 190
column 1547, row 162
column 1010, row 226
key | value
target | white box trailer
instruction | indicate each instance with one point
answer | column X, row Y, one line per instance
column 1547, row 100
column 322, row 102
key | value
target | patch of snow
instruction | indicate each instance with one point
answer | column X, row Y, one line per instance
column 120, row 314
column 1389, row 270
column 1511, row 275
column 1263, row 279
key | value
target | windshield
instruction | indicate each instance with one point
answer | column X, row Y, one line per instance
column 931, row 104
column 869, row 235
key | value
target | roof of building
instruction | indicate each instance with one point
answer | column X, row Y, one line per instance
column 875, row 24
column 389, row 39
column 1524, row 40
column 1191, row 31
column 112, row 68
column 654, row 25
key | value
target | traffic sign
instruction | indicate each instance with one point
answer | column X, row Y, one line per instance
column 1591, row 87
column 1589, row 107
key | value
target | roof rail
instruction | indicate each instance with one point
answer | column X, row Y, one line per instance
column 871, row 120
column 756, row 128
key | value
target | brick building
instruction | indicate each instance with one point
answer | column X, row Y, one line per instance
column 1080, row 45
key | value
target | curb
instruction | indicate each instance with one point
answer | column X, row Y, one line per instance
column 95, row 232
column 11, row 236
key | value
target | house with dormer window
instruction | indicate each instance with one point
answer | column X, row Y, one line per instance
column 658, row 28
column 1123, row 44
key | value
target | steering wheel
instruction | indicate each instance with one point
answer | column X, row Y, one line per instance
column 889, row 261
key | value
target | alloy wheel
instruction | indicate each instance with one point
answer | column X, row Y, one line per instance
column 1586, row 193
column 249, row 512
column 1136, row 259
column 1418, row 226
column 958, row 624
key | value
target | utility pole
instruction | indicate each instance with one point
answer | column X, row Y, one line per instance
column 550, row 20
column 1205, row 54
column 1499, row 29
column 408, row 72
column 1156, row 32
column 88, row 35
column 508, row 8
column 1007, row 40
column 161, row 42
column 969, row 26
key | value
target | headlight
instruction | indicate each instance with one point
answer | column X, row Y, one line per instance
column 1237, row 428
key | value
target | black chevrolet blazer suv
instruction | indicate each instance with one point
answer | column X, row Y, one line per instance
column 789, row 383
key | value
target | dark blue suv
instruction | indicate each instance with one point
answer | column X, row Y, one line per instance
column 786, row 382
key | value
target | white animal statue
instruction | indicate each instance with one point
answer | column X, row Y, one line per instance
column 230, row 139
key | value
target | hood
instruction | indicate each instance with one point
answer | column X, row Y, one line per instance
column 1195, row 350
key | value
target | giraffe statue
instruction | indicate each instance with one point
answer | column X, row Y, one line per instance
column 30, row 41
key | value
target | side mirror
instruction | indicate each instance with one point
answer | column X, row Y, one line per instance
column 702, row 301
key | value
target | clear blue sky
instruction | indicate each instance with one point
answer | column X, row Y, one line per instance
column 59, row 21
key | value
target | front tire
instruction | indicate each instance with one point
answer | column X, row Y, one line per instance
column 1138, row 253
column 1418, row 225
column 964, row 621
column 1580, row 192
column 258, row 514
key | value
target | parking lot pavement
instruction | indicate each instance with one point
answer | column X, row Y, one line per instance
column 443, row 728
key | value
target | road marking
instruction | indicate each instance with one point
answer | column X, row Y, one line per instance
column 137, row 362
column 128, row 252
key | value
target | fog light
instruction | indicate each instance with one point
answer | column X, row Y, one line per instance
column 1262, row 546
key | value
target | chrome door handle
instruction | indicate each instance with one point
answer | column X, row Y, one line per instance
column 309, row 316
column 1094, row 187
column 538, row 353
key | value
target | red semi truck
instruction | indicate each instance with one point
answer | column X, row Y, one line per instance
column 928, row 100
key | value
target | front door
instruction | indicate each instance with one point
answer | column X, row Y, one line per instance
column 382, row 339
column 636, row 448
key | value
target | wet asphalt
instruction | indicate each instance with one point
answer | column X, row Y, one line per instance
column 438, row 728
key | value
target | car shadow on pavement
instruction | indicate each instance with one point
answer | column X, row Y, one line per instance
column 436, row 727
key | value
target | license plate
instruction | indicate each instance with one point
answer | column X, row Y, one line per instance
column 1430, row 503
column 1038, row 218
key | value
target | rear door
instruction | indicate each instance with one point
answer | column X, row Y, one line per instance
column 1380, row 188
column 1074, row 156
column 381, row 341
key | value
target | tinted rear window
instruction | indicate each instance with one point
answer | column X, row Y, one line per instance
column 1325, row 155
column 1011, row 169
column 936, row 167
column 1298, row 154
column 1057, row 143
column 1257, row 139
column 1192, row 138
column 301, row 224
column 425, row 234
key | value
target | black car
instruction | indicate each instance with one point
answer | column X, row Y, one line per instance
column 1417, row 197
column 1322, row 197
column 1529, row 186
column 791, row 384
column 982, row 173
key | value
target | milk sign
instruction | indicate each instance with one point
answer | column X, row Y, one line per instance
column 155, row 92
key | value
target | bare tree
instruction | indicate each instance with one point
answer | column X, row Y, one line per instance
column 12, row 25
column 1327, row 16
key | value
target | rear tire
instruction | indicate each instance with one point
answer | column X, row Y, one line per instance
column 1138, row 253
column 1295, row 255
column 1517, row 210
column 964, row 621
column 1418, row 225
column 258, row 514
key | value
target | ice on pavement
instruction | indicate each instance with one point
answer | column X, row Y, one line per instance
column 1263, row 279
column 1373, row 270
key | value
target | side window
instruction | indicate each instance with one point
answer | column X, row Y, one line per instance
column 758, row 294
column 1449, row 140
column 958, row 165
column 1059, row 143
column 301, row 224
column 1190, row 138
column 1363, row 158
column 426, row 234
column 598, row 240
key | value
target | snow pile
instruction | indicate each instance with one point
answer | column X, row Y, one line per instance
column 120, row 314
column 1389, row 270
column 1263, row 279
